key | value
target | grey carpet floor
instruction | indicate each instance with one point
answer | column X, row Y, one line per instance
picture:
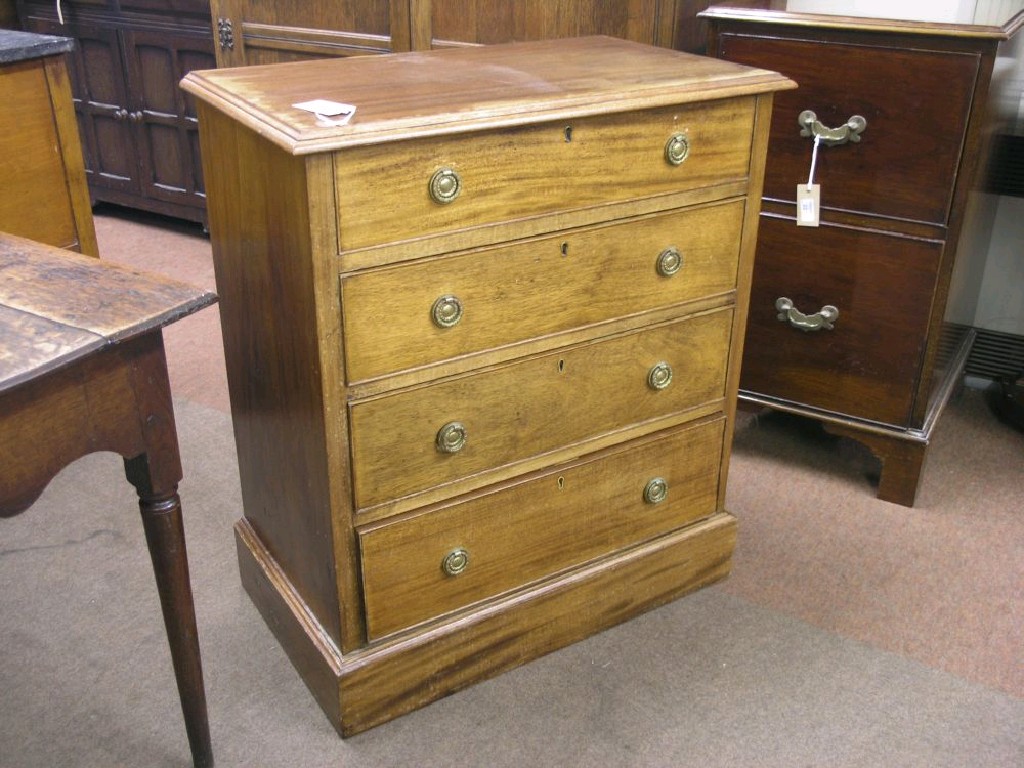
column 715, row 679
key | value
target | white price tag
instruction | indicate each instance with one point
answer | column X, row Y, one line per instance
column 327, row 111
column 808, row 200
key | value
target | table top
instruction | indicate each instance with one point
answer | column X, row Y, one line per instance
column 57, row 306
column 20, row 46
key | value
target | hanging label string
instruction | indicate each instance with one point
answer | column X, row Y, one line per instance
column 808, row 196
column 814, row 160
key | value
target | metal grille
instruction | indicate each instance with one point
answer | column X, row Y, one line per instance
column 996, row 355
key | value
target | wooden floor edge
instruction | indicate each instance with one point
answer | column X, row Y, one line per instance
column 375, row 685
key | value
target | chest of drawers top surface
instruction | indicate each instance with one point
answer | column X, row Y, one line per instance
column 450, row 91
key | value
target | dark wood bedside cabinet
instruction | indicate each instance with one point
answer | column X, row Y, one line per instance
column 855, row 322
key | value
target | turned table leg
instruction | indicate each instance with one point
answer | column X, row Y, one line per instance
column 165, row 537
column 155, row 475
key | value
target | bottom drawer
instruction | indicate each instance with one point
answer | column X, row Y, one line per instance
column 446, row 558
column 868, row 365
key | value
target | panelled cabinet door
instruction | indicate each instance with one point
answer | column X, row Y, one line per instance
column 101, row 98
column 498, row 21
column 254, row 32
column 249, row 32
column 162, row 114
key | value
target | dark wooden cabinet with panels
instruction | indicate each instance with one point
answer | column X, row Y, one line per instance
column 855, row 322
column 139, row 130
column 254, row 32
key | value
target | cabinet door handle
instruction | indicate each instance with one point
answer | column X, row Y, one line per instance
column 822, row 320
column 60, row 14
column 135, row 117
column 120, row 114
column 849, row 131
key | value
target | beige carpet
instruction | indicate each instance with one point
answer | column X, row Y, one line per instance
column 852, row 632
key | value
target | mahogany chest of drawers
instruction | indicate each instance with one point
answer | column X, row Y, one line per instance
column 862, row 323
column 482, row 346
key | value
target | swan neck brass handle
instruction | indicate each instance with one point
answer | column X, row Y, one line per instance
column 656, row 490
column 849, row 131
column 445, row 186
column 822, row 320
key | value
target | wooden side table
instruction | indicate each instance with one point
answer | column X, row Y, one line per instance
column 82, row 369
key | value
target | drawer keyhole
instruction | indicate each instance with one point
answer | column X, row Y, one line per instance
column 561, row 483
column 568, row 133
column 561, row 366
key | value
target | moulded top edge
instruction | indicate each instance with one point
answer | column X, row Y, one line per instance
column 998, row 31
column 406, row 95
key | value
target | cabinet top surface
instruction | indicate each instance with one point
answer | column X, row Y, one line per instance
column 21, row 46
column 406, row 95
column 981, row 18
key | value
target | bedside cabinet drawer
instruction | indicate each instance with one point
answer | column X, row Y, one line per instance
column 410, row 441
column 912, row 144
column 401, row 317
column 867, row 364
column 443, row 183
column 445, row 559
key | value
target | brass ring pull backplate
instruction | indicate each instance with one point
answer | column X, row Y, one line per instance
column 660, row 376
column 445, row 186
column 677, row 148
column 850, row 131
column 446, row 311
column 822, row 320
column 670, row 261
column 656, row 490
column 455, row 562
column 451, row 438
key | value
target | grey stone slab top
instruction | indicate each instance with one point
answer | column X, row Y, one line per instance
column 19, row 46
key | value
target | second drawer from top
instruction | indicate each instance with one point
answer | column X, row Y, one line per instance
column 402, row 317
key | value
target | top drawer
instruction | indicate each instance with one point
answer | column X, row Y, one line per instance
column 916, row 103
column 385, row 191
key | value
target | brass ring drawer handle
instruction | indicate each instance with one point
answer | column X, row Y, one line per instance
column 660, row 376
column 447, row 311
column 451, row 438
column 656, row 490
column 822, row 320
column 670, row 261
column 677, row 149
column 445, row 186
column 849, row 131
column 455, row 562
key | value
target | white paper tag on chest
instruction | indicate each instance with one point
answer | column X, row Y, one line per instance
column 326, row 111
column 808, row 199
